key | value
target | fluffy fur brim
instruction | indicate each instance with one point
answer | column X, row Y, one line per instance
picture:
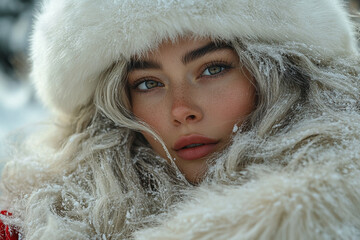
column 74, row 41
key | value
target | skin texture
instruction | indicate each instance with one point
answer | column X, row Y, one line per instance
column 204, row 95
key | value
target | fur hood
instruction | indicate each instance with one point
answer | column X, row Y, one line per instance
column 75, row 41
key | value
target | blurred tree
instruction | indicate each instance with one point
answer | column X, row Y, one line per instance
column 15, row 26
column 355, row 4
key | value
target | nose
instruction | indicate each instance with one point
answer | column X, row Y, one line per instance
column 184, row 109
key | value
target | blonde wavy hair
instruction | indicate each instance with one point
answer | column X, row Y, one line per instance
column 99, row 178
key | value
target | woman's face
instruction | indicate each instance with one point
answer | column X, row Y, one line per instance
column 191, row 93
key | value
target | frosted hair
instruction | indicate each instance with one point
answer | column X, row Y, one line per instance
column 101, row 178
column 306, row 107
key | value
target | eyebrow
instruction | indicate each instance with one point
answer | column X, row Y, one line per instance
column 136, row 64
column 202, row 51
column 142, row 64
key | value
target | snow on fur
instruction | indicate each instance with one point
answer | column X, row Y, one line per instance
column 74, row 41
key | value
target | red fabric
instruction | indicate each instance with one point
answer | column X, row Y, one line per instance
column 6, row 231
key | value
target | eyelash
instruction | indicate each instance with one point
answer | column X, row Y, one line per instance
column 136, row 84
column 226, row 66
column 222, row 64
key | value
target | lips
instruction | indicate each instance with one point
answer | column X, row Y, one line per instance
column 194, row 146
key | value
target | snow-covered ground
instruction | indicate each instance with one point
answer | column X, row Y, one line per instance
column 18, row 109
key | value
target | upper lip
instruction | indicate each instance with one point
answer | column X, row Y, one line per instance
column 192, row 139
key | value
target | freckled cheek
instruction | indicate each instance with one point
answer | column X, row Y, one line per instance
column 232, row 104
column 153, row 115
column 155, row 119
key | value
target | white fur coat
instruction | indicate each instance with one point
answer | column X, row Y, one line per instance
column 316, row 201
column 74, row 41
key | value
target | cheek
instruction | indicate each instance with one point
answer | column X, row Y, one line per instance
column 239, row 103
column 149, row 111
column 233, row 102
column 155, row 145
column 154, row 116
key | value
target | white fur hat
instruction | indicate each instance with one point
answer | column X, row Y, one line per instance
column 75, row 40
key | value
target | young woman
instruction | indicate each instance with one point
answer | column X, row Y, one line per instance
column 191, row 120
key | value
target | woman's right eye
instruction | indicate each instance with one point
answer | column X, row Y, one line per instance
column 148, row 84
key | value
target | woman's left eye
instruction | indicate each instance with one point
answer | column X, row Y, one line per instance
column 213, row 70
column 148, row 84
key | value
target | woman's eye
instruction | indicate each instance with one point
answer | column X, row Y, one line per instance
column 212, row 70
column 149, row 84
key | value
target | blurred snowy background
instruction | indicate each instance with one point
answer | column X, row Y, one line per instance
column 18, row 104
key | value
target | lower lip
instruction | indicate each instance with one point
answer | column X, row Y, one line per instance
column 196, row 152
